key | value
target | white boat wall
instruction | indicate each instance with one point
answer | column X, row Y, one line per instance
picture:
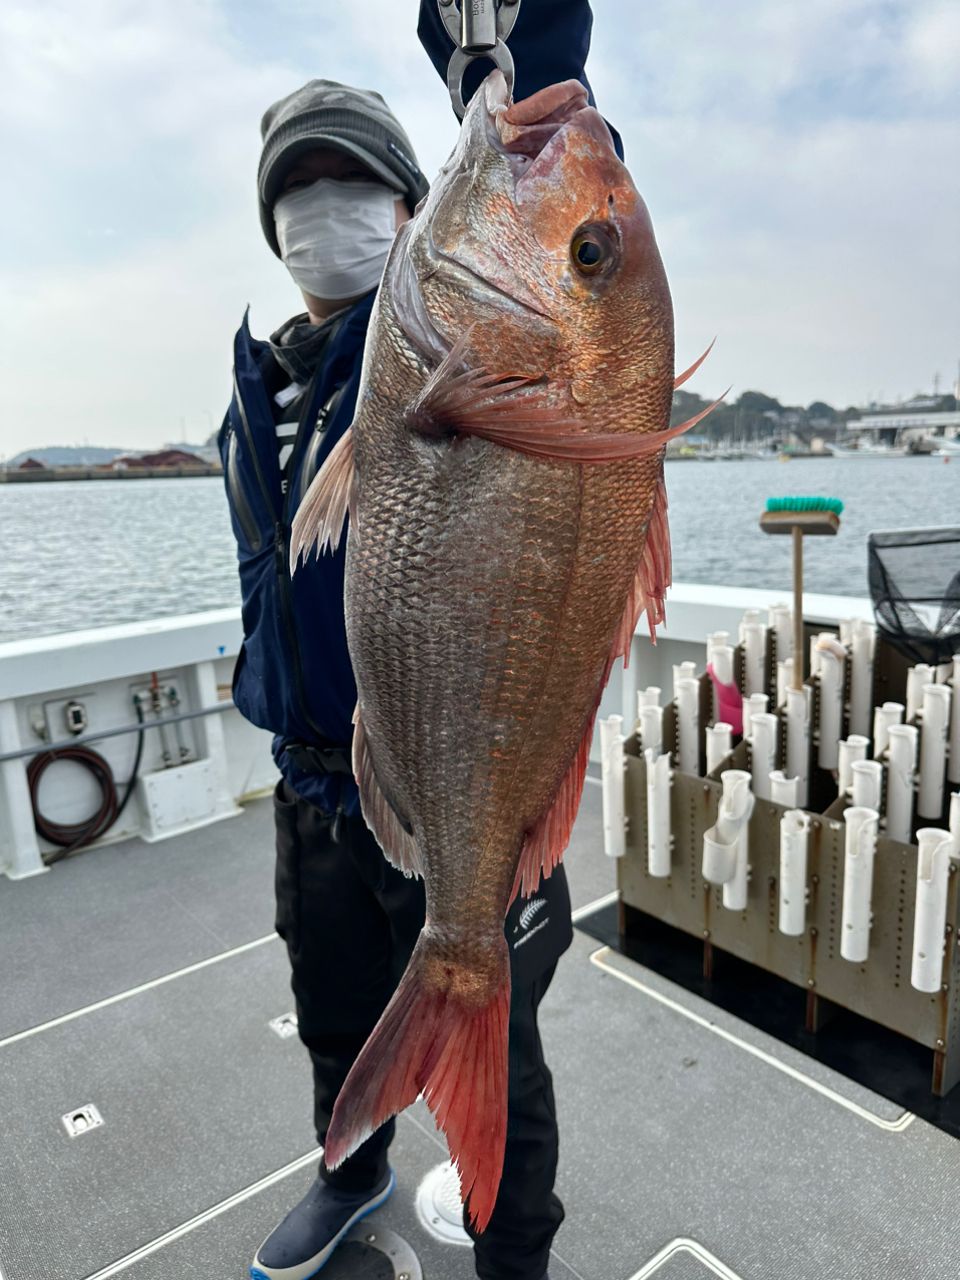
column 200, row 757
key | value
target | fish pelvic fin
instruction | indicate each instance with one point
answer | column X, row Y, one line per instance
column 549, row 836
column 517, row 412
column 394, row 833
column 649, row 587
column 326, row 504
column 441, row 1037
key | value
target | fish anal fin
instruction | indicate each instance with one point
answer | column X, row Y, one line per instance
column 549, row 836
column 323, row 512
column 394, row 834
column 449, row 1046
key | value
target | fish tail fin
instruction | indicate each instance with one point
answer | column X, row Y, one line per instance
column 442, row 1037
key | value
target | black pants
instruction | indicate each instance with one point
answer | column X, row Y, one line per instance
column 350, row 922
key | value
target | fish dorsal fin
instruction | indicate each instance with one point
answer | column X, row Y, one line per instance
column 326, row 504
column 518, row 412
column 549, row 836
column 650, row 583
column 394, row 834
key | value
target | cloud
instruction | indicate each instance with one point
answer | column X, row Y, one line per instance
column 797, row 161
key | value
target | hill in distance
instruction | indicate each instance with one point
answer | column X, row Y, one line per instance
column 86, row 455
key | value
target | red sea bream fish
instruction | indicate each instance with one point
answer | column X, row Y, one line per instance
column 507, row 526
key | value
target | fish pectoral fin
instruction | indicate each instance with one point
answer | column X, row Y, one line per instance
column 681, row 378
column 431, row 1040
column 548, row 838
column 326, row 504
column 517, row 412
column 653, row 577
column 393, row 831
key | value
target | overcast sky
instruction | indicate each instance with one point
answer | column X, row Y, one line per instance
column 799, row 161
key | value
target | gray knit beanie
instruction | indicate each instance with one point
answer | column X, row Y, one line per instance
column 326, row 114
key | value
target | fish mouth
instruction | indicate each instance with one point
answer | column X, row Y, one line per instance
column 535, row 132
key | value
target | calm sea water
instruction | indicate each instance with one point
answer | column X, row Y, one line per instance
column 93, row 553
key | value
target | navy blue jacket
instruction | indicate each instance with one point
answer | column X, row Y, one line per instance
column 293, row 675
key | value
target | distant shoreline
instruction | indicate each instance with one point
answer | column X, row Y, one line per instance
column 38, row 475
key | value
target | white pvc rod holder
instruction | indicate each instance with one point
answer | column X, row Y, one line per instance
column 763, row 753
column 798, row 739
column 722, row 663
column 794, row 834
column 903, row 740
column 955, row 820
column 717, row 640
column 754, row 656
column 933, row 749
column 726, row 845
column 918, row 676
column 859, row 853
column 659, row 839
column 935, row 849
column 784, row 680
column 651, row 729
column 883, row 717
column 780, row 622
column 867, row 788
column 851, row 749
column 754, row 705
column 682, row 671
column 648, row 697
column 751, row 617
column 863, row 644
column 953, row 768
column 784, row 790
column 719, row 744
column 688, row 725
column 831, row 704
column 612, row 770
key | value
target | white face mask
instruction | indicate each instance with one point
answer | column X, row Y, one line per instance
column 334, row 236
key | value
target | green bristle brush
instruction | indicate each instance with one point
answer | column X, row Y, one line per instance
column 798, row 516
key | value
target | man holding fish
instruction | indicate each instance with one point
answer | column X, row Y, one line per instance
column 505, row 531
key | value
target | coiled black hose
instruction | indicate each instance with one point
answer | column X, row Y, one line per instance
column 72, row 836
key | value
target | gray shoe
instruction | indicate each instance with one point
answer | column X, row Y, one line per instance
column 304, row 1241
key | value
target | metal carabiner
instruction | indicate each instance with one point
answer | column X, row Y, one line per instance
column 479, row 29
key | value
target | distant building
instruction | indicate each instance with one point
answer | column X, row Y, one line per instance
column 163, row 458
column 31, row 464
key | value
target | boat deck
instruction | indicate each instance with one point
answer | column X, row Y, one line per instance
column 142, row 979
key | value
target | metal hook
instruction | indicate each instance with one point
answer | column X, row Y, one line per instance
column 500, row 55
column 479, row 30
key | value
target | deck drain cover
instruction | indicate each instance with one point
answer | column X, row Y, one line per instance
column 372, row 1252
column 439, row 1207
column 285, row 1026
column 82, row 1120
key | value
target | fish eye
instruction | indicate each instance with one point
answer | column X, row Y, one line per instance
column 592, row 250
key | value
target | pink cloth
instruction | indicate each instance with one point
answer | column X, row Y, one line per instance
column 729, row 702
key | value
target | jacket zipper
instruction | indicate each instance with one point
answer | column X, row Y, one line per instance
column 281, row 553
column 241, row 502
column 308, row 468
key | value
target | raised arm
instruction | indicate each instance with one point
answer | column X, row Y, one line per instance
column 549, row 43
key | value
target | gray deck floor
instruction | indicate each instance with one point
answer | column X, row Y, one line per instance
column 693, row 1146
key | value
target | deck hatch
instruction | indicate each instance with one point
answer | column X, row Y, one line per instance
column 285, row 1026
column 439, row 1207
column 81, row 1120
